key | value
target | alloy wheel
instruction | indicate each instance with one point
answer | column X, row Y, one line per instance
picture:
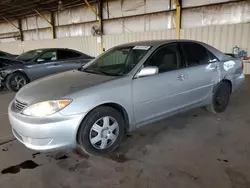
column 18, row 82
column 104, row 132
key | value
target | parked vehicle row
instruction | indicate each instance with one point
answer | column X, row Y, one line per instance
column 127, row 87
column 32, row 65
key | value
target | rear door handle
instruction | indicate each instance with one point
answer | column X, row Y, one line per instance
column 215, row 68
column 182, row 77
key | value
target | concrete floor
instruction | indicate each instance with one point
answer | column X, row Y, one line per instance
column 191, row 150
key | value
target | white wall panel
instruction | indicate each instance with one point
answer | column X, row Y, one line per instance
column 134, row 24
column 45, row 34
column 157, row 5
column 9, row 37
column 83, row 29
column 112, row 9
column 31, row 35
column 113, row 40
column 64, row 17
column 152, row 22
column 134, row 7
column 160, row 21
column 8, row 28
column 41, row 23
column 24, row 24
column 191, row 3
column 12, row 47
column 31, row 23
column 118, row 8
column 113, row 26
column 232, row 13
column 37, row 34
column 80, row 14
column 35, row 22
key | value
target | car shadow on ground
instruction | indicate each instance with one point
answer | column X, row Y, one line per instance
column 4, row 91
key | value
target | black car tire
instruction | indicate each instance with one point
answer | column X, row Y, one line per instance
column 2, row 88
column 11, row 78
column 220, row 98
column 83, row 136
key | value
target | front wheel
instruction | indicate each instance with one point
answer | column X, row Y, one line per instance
column 16, row 81
column 221, row 97
column 101, row 131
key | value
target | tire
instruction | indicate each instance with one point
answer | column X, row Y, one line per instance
column 92, row 138
column 220, row 98
column 2, row 88
column 15, row 81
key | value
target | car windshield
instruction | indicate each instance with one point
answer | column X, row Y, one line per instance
column 27, row 56
column 118, row 61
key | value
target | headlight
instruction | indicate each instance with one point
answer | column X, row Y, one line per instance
column 46, row 108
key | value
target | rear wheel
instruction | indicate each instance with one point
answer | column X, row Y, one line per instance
column 101, row 131
column 221, row 97
column 15, row 81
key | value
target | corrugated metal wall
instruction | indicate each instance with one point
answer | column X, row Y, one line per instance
column 223, row 37
column 85, row 44
column 126, row 16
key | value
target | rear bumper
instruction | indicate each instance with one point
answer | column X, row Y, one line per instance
column 1, row 81
column 238, row 82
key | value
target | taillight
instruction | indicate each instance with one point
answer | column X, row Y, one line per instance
column 242, row 65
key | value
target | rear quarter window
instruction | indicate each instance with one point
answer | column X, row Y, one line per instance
column 195, row 54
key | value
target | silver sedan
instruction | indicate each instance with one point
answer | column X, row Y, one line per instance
column 127, row 87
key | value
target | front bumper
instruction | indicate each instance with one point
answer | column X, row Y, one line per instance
column 53, row 133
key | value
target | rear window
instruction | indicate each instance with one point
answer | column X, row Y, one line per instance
column 66, row 54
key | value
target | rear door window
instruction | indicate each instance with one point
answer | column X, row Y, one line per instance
column 194, row 54
column 67, row 54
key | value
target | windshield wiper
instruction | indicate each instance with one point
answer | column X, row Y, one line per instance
column 91, row 71
column 108, row 74
column 95, row 71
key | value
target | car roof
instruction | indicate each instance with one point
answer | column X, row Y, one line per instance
column 146, row 43
column 156, row 43
column 47, row 49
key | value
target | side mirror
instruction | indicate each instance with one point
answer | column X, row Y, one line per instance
column 40, row 60
column 212, row 61
column 147, row 71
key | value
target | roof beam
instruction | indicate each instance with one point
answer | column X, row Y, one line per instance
column 19, row 27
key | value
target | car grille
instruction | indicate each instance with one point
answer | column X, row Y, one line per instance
column 18, row 106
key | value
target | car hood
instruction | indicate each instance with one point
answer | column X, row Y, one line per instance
column 7, row 61
column 59, row 86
